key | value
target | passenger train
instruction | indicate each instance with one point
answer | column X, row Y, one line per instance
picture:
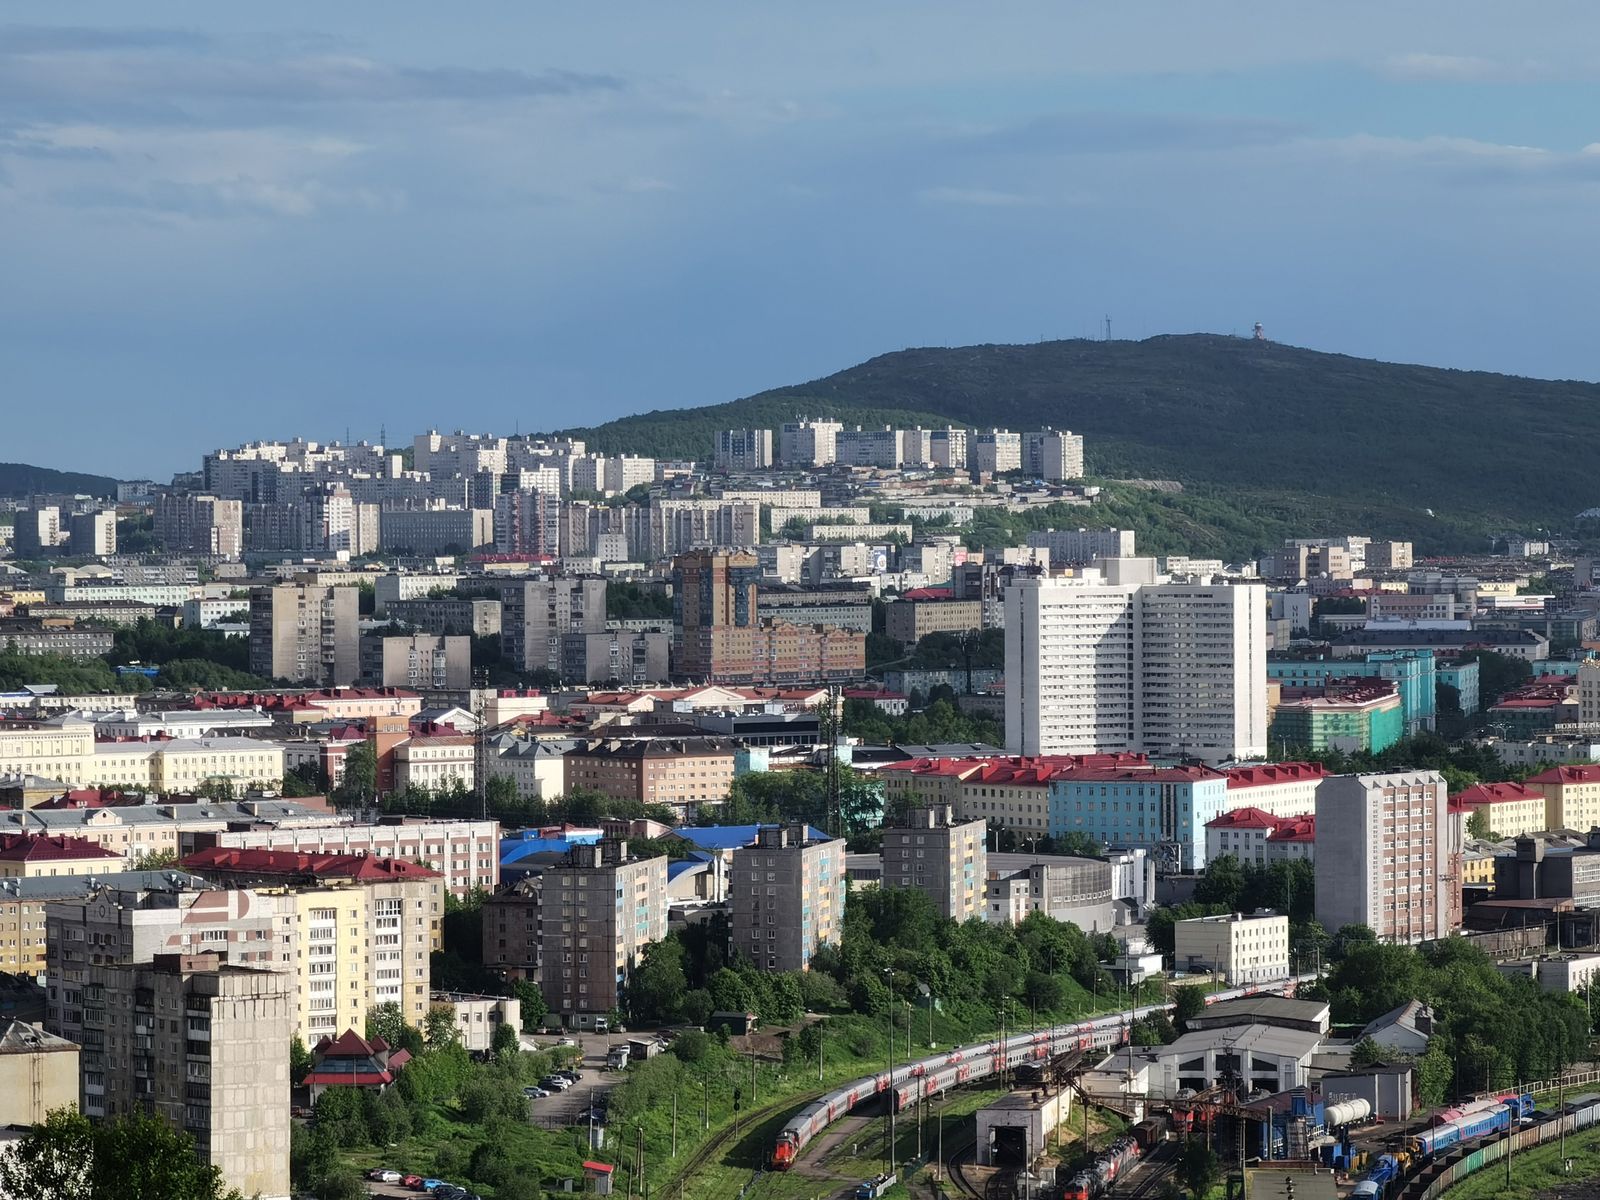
column 934, row 1076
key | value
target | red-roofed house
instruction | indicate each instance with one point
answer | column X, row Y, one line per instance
column 1012, row 792
column 1293, row 839
column 1571, row 796
column 32, row 855
column 1242, row 832
column 1511, row 809
column 350, row 1060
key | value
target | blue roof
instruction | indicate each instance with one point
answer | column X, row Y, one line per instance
column 730, row 837
column 678, row 866
column 512, row 851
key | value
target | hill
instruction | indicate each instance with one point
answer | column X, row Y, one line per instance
column 20, row 479
column 1267, row 438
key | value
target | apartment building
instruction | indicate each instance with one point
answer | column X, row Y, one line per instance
column 92, row 534
column 36, row 531
column 199, row 1042
column 24, row 904
column 1242, row 948
column 1389, row 556
column 1362, row 714
column 1240, row 833
column 117, row 919
column 36, row 855
column 1388, row 855
column 1511, row 809
column 1064, row 888
column 1284, row 789
column 1160, row 808
column 994, row 451
column 537, row 766
column 465, row 853
column 718, row 633
column 600, row 910
column 527, row 522
column 435, row 531
column 931, row 851
column 513, row 929
column 182, row 765
column 682, row 773
column 366, row 926
column 909, row 621
column 1119, row 659
column 1571, row 795
column 536, row 614
column 446, row 615
column 54, row 636
column 807, row 443
column 1053, row 455
column 39, row 1073
column 1083, row 546
column 742, row 450
column 200, row 524
column 305, row 634
column 786, row 896
column 418, row 660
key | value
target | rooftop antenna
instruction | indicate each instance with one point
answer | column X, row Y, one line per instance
column 383, row 435
column 347, row 435
column 1108, row 327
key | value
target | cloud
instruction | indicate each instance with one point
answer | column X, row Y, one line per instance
column 1127, row 133
column 976, row 197
column 1462, row 68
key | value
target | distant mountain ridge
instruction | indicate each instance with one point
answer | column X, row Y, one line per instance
column 22, row 479
column 1340, row 437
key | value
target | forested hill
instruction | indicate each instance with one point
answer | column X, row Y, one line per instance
column 1257, row 422
column 20, row 479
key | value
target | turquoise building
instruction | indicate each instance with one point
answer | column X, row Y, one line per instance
column 1414, row 672
column 1463, row 676
column 1140, row 806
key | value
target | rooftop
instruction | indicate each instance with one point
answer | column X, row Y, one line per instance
column 1271, row 773
column 1244, row 818
column 43, row 847
column 290, row 864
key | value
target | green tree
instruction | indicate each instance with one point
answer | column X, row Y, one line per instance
column 299, row 1060
column 133, row 1157
column 1198, row 1168
column 155, row 860
column 439, row 1026
column 1478, row 823
column 532, row 1003
column 360, row 781
column 507, row 1045
column 386, row 1021
column 1368, row 1053
column 658, row 984
column 1188, row 1002
column 1223, row 883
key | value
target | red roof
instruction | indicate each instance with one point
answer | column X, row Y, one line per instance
column 927, row 593
column 1244, row 818
column 289, row 863
column 1020, row 770
column 603, row 1168
column 1493, row 793
column 38, row 847
column 1270, row 773
column 1140, row 774
column 1295, row 829
column 1583, row 773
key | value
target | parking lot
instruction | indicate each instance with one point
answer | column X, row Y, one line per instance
column 562, row 1108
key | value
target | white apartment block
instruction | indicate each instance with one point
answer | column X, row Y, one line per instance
column 994, row 451
column 808, row 443
column 1120, row 659
column 948, row 448
column 1053, row 455
column 1242, row 948
column 1388, row 856
column 436, row 763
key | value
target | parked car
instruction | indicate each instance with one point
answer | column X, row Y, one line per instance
column 570, row 1076
column 555, row 1082
column 414, row 1182
column 429, row 1185
column 449, row 1191
column 535, row 1093
column 384, row 1175
column 301, row 1113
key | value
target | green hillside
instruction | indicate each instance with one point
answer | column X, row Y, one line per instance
column 20, row 479
column 1260, row 433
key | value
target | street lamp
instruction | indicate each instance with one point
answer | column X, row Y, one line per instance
column 888, row 973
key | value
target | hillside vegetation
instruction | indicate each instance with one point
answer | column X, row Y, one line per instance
column 1264, row 436
column 20, row 479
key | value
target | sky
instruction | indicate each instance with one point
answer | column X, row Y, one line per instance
column 225, row 222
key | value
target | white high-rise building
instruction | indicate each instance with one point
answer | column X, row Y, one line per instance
column 808, row 443
column 1118, row 657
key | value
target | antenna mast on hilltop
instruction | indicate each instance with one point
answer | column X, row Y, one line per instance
column 1260, row 332
column 1108, row 327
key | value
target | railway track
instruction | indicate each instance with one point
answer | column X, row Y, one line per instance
column 960, row 1163
column 730, row 1134
column 1151, row 1177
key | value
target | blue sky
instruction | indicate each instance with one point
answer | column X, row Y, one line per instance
column 222, row 222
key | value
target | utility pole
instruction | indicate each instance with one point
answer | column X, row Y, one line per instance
column 480, row 681
column 889, row 1095
column 674, row 1124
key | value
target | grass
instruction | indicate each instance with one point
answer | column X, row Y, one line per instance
column 1534, row 1173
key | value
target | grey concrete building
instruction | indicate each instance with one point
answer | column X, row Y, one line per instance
column 948, row 859
column 203, row 524
column 419, row 660
column 305, row 634
column 512, row 929
column 93, row 534
column 537, row 613
column 600, row 910
column 427, row 531
column 786, row 897
column 1069, row 889
column 618, row 656
column 200, row 1043
column 444, row 615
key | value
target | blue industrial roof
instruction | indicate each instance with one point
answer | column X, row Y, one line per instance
column 730, row 837
column 678, row 866
column 515, row 850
